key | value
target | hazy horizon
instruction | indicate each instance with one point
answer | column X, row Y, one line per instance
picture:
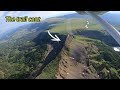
column 43, row 14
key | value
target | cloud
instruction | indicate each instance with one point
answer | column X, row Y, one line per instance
column 115, row 12
column 13, row 13
column 1, row 13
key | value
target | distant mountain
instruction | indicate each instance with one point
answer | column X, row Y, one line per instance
column 75, row 15
column 112, row 18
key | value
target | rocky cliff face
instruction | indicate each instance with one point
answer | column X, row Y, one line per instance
column 74, row 63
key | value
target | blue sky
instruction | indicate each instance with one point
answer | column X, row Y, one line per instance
column 4, row 26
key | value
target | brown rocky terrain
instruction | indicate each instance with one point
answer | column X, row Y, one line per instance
column 69, row 65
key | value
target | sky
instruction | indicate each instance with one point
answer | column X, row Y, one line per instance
column 115, row 12
column 4, row 26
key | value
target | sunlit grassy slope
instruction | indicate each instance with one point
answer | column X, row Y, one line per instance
column 75, row 24
column 67, row 25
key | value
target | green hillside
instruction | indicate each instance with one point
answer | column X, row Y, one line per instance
column 27, row 48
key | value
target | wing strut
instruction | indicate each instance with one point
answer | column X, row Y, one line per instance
column 110, row 29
